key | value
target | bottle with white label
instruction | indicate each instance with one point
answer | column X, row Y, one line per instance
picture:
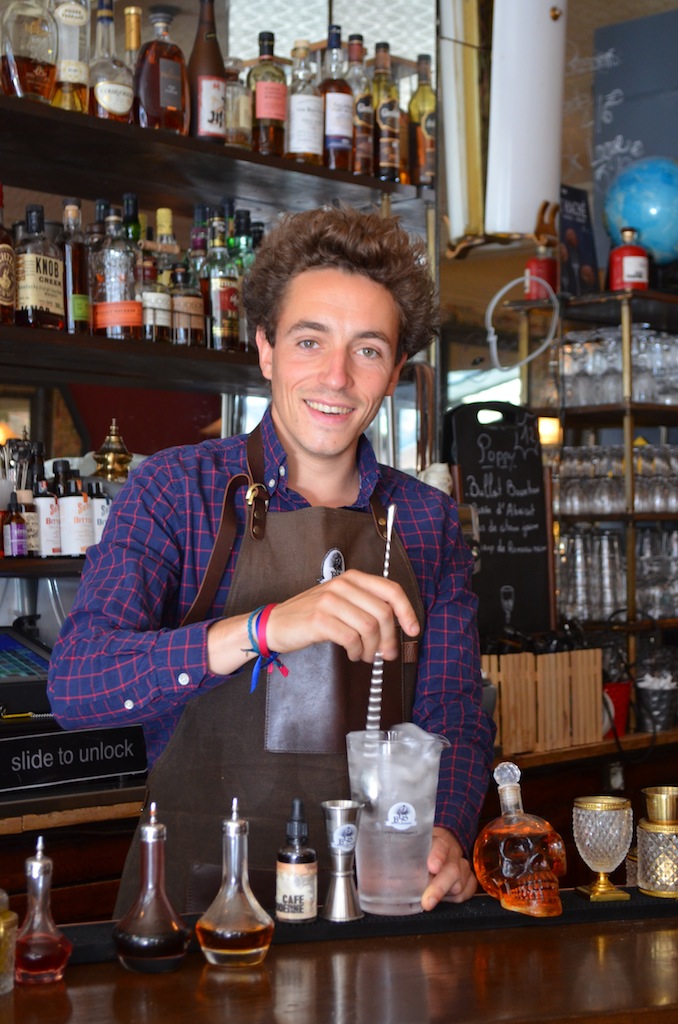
column 207, row 79
column 49, row 523
column 76, row 521
column 100, row 505
column 73, row 32
column 156, row 304
column 304, row 109
column 296, row 873
column 39, row 275
column 629, row 264
column 338, row 107
column 111, row 82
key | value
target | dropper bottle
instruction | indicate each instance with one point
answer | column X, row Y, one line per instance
column 296, row 874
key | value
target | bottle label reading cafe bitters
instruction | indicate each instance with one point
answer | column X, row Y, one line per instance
column 39, row 281
column 211, row 99
column 296, row 892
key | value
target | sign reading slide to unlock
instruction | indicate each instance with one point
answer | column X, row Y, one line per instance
column 54, row 758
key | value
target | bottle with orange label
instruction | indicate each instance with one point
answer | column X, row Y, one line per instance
column 116, row 311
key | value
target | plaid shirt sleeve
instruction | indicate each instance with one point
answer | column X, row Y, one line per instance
column 448, row 697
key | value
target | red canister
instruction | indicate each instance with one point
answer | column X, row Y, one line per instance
column 629, row 263
column 543, row 265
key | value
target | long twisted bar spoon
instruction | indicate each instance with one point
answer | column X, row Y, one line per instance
column 373, row 722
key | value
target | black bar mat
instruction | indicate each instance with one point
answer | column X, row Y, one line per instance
column 93, row 943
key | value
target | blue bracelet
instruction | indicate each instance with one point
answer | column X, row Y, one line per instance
column 252, row 630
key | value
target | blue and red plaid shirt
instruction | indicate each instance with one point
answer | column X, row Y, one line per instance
column 122, row 656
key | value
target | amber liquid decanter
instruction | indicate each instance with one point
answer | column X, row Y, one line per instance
column 518, row 857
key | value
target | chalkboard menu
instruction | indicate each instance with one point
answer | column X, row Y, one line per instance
column 496, row 445
column 636, row 102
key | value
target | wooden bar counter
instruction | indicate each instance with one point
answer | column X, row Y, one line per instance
column 619, row 966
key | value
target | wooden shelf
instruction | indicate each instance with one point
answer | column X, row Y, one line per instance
column 46, row 149
column 48, row 358
column 631, row 742
column 39, row 568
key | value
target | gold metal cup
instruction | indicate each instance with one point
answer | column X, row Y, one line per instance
column 662, row 804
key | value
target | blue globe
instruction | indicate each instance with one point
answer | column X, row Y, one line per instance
column 644, row 196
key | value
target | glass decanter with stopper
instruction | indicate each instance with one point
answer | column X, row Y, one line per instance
column 42, row 950
column 235, row 931
column 519, row 857
column 151, row 938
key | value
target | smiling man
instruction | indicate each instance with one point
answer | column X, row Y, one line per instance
column 208, row 613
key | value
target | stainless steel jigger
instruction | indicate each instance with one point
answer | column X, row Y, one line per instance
column 341, row 823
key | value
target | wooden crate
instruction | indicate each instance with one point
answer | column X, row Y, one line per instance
column 547, row 701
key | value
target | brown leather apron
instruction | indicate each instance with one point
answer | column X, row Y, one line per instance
column 287, row 738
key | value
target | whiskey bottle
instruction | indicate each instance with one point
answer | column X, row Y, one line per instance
column 219, row 284
column 422, row 111
column 132, row 36
column 237, row 105
column 386, row 117
column 207, row 78
column 197, row 249
column 188, row 311
column 7, row 271
column 39, row 275
column 116, row 311
column 363, row 110
column 111, row 81
column 268, row 83
column 156, row 304
column 161, row 93
column 130, row 217
column 338, row 107
column 243, row 255
column 72, row 76
column 76, row 280
column 304, row 109
column 168, row 253
column 29, row 45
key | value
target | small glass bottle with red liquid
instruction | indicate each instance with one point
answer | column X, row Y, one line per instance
column 42, row 951
column 629, row 265
column 518, row 857
column 235, row 931
column 151, row 938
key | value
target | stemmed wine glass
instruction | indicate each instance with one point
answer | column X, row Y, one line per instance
column 603, row 829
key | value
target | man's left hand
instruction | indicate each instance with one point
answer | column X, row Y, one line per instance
column 452, row 877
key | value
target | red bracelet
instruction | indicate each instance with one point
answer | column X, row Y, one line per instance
column 261, row 630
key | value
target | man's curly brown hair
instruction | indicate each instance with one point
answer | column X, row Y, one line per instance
column 359, row 243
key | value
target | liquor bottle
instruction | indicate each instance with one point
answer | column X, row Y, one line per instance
column 49, row 523
column 132, row 36
column 268, row 83
column 363, row 110
column 29, row 50
column 72, row 76
column 7, row 270
column 386, row 117
column 116, row 312
column 111, row 82
column 30, row 517
column 100, row 504
column 161, row 93
column 235, row 930
column 156, row 304
column 166, row 257
column 197, row 247
column 219, row 284
column 39, row 275
column 629, row 263
column 207, row 78
column 304, row 109
column 422, row 111
column 151, row 937
column 338, row 107
column 518, row 857
column 296, row 872
column 76, row 277
column 542, row 265
column 75, row 519
column 243, row 254
column 42, row 950
column 258, row 231
column 188, row 311
column 131, row 224
column 404, row 136
column 237, row 105
column 14, row 534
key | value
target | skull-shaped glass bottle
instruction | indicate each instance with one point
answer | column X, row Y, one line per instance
column 518, row 857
